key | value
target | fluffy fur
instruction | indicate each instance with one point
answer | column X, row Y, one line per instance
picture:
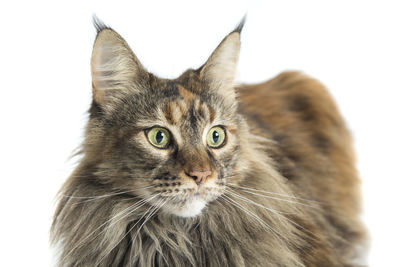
column 283, row 189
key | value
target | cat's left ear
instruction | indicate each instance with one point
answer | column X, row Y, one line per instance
column 220, row 69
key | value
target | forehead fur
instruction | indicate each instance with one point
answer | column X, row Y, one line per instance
column 176, row 99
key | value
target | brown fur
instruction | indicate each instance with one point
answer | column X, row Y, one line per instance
column 313, row 151
column 283, row 189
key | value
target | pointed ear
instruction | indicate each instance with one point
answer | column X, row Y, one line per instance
column 114, row 66
column 220, row 69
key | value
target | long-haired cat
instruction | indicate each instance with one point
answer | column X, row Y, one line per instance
column 196, row 171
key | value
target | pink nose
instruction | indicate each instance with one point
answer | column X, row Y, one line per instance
column 200, row 176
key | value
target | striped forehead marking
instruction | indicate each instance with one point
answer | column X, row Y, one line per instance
column 186, row 94
column 175, row 110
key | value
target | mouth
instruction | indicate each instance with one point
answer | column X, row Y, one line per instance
column 197, row 196
column 189, row 206
column 189, row 201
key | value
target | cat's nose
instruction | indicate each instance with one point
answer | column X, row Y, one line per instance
column 199, row 176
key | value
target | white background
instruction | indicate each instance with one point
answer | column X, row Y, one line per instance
column 45, row 47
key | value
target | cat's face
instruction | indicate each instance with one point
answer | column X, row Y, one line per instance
column 181, row 149
column 170, row 142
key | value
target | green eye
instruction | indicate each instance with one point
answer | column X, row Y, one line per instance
column 158, row 137
column 216, row 137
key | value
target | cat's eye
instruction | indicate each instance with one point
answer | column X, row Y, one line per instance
column 216, row 137
column 158, row 137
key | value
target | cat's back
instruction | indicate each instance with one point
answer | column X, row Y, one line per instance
column 311, row 147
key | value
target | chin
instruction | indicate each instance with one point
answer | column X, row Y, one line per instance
column 191, row 208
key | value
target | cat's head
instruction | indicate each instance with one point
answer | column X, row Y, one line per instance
column 171, row 142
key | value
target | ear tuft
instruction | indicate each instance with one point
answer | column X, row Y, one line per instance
column 99, row 24
column 240, row 26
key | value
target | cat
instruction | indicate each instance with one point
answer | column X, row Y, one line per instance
column 198, row 171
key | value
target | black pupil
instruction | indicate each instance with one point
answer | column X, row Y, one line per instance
column 215, row 136
column 159, row 137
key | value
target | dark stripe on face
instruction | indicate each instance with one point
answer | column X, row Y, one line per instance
column 214, row 162
column 168, row 112
column 211, row 111
column 191, row 116
column 228, row 156
column 185, row 94
column 182, row 107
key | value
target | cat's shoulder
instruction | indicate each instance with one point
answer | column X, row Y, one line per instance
column 293, row 98
column 293, row 88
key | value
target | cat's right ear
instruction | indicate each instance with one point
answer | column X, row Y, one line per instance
column 114, row 66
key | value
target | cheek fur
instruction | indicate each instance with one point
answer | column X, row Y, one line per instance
column 226, row 156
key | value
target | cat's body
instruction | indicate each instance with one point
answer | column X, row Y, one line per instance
column 313, row 152
column 280, row 190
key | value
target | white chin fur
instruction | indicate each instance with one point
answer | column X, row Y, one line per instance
column 192, row 208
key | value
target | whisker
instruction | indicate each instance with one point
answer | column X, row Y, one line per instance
column 280, row 199
column 272, row 193
column 158, row 207
column 253, row 215
column 132, row 208
column 148, row 211
column 271, row 210
column 91, row 198
column 255, row 203
column 113, row 176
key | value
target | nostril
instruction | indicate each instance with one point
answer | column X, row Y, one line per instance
column 199, row 176
column 190, row 175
